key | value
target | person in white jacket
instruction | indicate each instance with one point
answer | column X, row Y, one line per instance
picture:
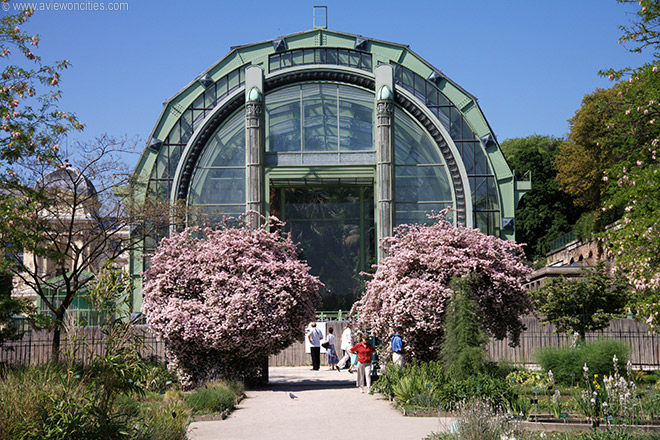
column 346, row 345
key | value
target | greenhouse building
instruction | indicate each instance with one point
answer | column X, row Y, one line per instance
column 341, row 136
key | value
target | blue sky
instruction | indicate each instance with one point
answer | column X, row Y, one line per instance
column 529, row 62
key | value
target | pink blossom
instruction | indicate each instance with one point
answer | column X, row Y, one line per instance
column 652, row 121
column 412, row 283
column 605, row 179
column 611, row 77
column 627, row 112
column 655, row 68
column 227, row 297
column 651, row 102
column 639, row 163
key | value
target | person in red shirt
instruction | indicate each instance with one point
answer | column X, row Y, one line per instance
column 364, row 350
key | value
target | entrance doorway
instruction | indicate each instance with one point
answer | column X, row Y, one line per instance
column 334, row 226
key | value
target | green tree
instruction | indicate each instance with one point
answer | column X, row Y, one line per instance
column 582, row 305
column 462, row 352
column 546, row 212
column 583, row 157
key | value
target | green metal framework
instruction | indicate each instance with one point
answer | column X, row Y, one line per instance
column 448, row 113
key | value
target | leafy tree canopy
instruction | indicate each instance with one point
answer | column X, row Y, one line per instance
column 545, row 213
column 581, row 305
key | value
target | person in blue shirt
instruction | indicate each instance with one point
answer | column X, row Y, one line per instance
column 396, row 343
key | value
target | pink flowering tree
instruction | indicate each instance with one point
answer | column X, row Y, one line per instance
column 226, row 298
column 411, row 286
column 633, row 242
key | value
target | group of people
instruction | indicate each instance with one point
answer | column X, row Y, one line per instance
column 357, row 356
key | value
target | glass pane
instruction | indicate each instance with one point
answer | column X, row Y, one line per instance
column 308, row 56
column 232, row 80
column 175, row 156
column 468, row 156
column 175, row 134
column 335, row 236
column 221, row 88
column 297, row 57
column 284, row 119
column 319, row 56
column 354, row 59
column 210, row 215
column 422, row 184
column 356, row 113
column 227, row 145
column 343, row 57
column 366, row 61
column 455, row 129
column 320, row 117
column 409, row 213
column 286, row 60
column 209, row 97
column 186, row 126
column 274, row 63
column 199, row 102
column 480, row 160
column 412, row 145
column 492, row 194
column 332, row 56
column 479, row 193
column 443, row 116
column 217, row 186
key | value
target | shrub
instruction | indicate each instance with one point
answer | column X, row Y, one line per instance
column 204, row 284
column 496, row 391
column 564, row 361
column 411, row 286
column 215, row 398
column 478, row 419
column 463, row 352
column 164, row 422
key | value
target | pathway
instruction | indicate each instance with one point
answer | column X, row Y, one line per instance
column 317, row 405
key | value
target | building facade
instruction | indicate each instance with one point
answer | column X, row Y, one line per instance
column 341, row 136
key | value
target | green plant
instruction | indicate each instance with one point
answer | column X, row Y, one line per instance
column 497, row 391
column 566, row 362
column 463, row 353
column 164, row 422
column 479, row 419
column 215, row 398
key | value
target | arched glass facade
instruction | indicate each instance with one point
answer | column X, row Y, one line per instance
column 307, row 134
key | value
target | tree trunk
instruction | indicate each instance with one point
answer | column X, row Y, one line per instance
column 57, row 334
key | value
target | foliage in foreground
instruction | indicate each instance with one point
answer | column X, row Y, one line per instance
column 411, row 286
column 54, row 402
column 226, row 298
column 567, row 361
column 427, row 385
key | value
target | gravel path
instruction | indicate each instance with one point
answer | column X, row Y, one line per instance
column 316, row 405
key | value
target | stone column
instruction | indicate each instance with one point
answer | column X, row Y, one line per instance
column 254, row 142
column 385, row 152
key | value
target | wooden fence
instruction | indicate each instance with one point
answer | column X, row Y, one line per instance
column 35, row 347
column 644, row 345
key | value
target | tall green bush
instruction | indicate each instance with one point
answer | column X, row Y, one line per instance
column 463, row 353
column 598, row 355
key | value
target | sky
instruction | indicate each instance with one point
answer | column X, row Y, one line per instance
column 528, row 62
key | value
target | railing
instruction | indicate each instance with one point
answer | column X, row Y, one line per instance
column 336, row 315
column 561, row 241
